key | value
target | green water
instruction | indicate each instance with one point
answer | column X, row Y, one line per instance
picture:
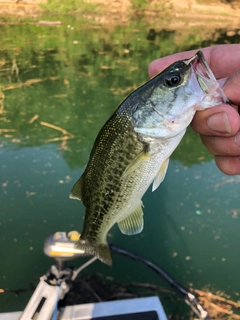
column 73, row 77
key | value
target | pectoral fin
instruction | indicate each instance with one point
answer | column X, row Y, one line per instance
column 133, row 223
column 137, row 161
column 76, row 192
column 160, row 175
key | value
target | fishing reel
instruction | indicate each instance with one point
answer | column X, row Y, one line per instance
column 61, row 246
column 56, row 283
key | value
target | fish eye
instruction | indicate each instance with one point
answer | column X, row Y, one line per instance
column 173, row 81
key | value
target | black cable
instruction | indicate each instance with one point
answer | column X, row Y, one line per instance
column 152, row 266
column 189, row 298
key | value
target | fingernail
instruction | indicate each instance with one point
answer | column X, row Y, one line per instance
column 219, row 123
column 237, row 139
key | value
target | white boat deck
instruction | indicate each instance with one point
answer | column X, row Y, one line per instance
column 149, row 308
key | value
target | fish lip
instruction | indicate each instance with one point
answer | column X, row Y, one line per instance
column 204, row 75
column 202, row 69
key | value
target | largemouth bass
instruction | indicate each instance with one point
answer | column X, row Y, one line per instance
column 132, row 149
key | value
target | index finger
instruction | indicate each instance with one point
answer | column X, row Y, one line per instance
column 224, row 60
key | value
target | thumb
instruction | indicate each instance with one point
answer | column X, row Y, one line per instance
column 231, row 88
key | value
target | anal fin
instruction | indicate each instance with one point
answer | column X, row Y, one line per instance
column 133, row 223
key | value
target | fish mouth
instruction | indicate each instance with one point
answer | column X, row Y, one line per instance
column 205, row 76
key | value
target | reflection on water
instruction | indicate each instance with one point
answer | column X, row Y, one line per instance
column 58, row 87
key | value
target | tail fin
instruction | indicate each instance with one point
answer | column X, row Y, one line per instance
column 101, row 251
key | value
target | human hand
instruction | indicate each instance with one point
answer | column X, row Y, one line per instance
column 219, row 127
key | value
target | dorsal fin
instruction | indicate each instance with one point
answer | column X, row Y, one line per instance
column 76, row 192
column 133, row 223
